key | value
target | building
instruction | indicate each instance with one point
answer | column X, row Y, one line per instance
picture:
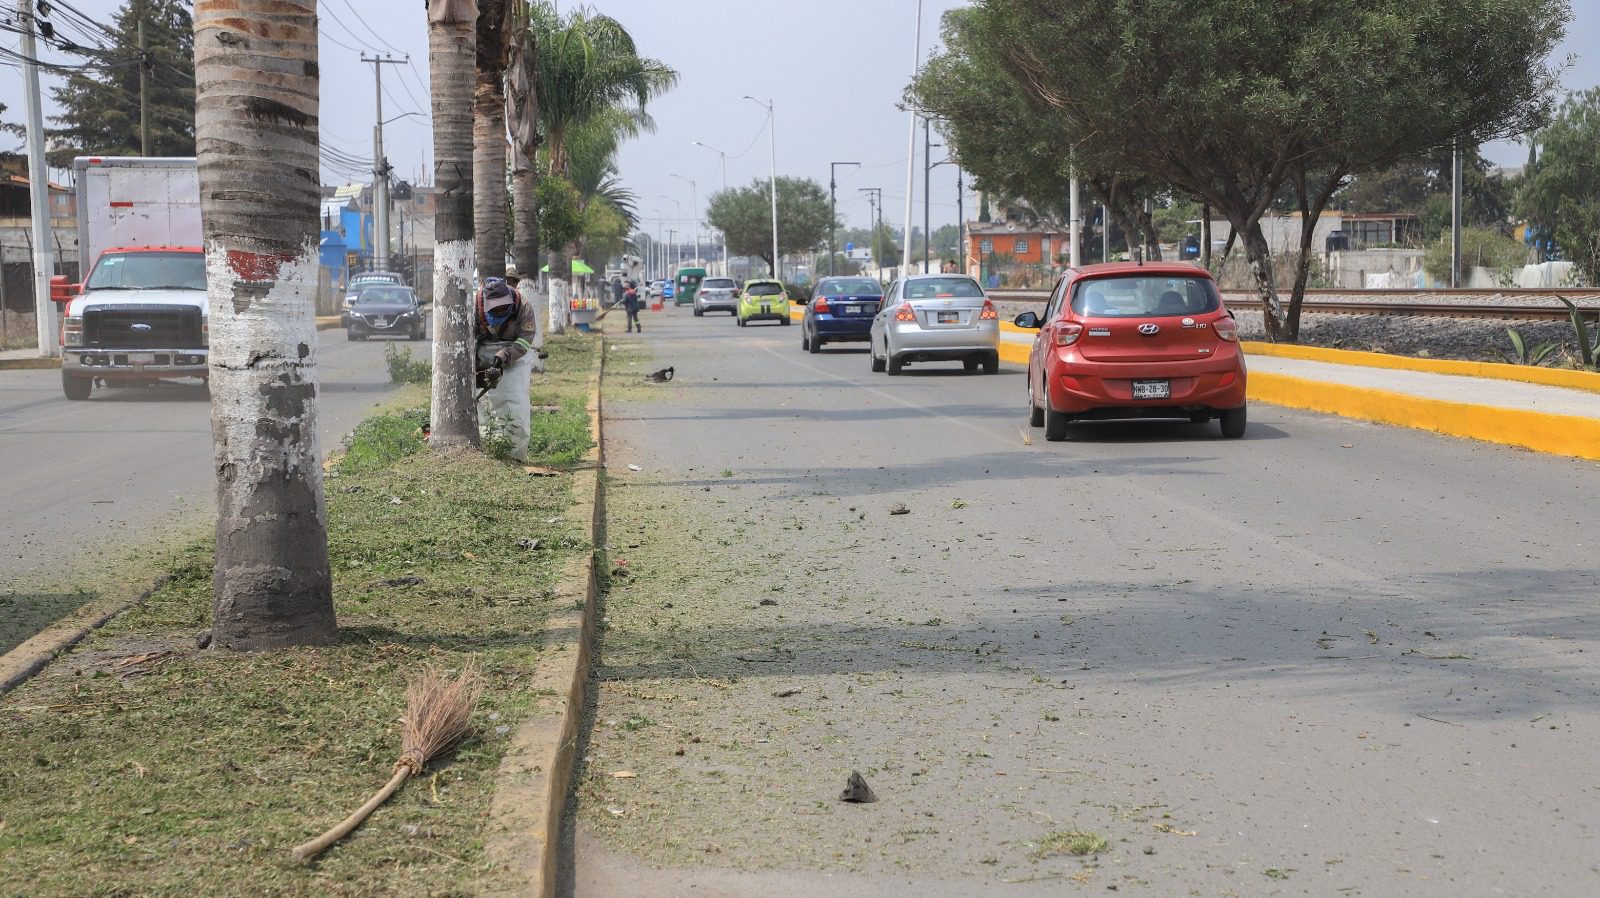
column 1013, row 254
column 16, row 245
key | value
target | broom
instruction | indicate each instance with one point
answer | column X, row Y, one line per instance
column 438, row 714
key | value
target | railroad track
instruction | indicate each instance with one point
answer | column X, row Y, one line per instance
column 1512, row 305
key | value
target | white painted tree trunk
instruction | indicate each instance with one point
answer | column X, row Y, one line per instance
column 559, row 306
column 453, row 73
column 256, row 140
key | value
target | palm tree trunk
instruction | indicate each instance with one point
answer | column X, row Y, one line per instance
column 451, row 48
column 256, row 140
column 525, row 222
column 489, row 138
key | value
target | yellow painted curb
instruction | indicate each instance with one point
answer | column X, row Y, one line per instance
column 1556, row 434
column 34, row 364
column 1550, row 377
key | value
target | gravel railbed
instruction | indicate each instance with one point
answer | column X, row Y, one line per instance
column 1472, row 339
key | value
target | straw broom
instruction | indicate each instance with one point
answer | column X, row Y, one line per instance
column 438, row 714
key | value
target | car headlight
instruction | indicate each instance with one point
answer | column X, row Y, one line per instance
column 72, row 331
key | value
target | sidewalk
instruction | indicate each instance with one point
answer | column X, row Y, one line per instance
column 23, row 359
column 1495, row 403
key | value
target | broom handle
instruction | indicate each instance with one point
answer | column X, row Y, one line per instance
column 320, row 844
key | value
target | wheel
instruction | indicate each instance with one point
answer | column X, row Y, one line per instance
column 1035, row 413
column 741, row 322
column 969, row 365
column 877, row 363
column 991, row 365
column 787, row 321
column 419, row 334
column 1055, row 423
column 349, row 335
column 76, row 387
column 1233, row 420
column 895, row 366
column 699, row 313
column 815, row 344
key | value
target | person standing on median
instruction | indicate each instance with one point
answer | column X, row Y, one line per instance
column 631, row 304
column 509, row 340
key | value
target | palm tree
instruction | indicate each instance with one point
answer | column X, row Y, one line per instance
column 489, row 137
column 256, row 141
column 451, row 63
column 522, row 115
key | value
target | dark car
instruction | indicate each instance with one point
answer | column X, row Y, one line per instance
column 840, row 311
column 386, row 311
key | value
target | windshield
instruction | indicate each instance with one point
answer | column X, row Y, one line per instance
column 767, row 289
column 1143, row 297
column 387, row 296
column 850, row 287
column 718, row 284
column 928, row 288
column 149, row 271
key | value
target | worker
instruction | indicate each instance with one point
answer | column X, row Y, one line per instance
column 509, row 340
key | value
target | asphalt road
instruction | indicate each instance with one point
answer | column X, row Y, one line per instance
column 82, row 478
column 1331, row 658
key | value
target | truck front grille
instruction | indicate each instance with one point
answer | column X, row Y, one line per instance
column 135, row 327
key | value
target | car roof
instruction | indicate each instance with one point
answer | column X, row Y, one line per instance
column 1150, row 269
column 764, row 281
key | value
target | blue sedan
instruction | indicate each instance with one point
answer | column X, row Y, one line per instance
column 841, row 311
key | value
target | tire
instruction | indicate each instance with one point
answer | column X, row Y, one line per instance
column 1055, row 423
column 815, row 344
column 699, row 314
column 741, row 322
column 787, row 321
column 1233, row 421
column 991, row 365
column 895, row 366
column 1035, row 413
column 969, row 365
column 350, row 335
column 77, row 388
column 877, row 363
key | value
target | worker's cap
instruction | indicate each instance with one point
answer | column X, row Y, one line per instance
column 497, row 296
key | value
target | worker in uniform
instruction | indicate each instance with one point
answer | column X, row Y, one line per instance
column 509, row 349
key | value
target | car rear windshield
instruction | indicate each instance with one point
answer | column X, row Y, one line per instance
column 149, row 271
column 927, row 288
column 1141, row 297
column 384, row 296
column 850, row 287
column 764, row 290
column 718, row 284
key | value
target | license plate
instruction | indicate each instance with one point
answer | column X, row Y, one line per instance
column 141, row 358
column 380, row 322
column 852, row 310
column 948, row 317
column 1152, row 389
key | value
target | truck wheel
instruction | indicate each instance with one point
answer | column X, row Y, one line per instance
column 76, row 387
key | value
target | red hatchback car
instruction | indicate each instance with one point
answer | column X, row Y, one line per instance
column 1126, row 340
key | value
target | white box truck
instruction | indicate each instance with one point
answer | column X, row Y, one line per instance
column 140, row 314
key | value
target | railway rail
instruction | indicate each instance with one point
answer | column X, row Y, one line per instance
column 1508, row 305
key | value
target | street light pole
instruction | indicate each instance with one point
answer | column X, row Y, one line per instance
column 694, row 207
column 833, row 207
column 911, row 140
column 722, row 155
column 772, row 134
column 44, row 263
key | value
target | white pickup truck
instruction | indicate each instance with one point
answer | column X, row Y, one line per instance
column 140, row 315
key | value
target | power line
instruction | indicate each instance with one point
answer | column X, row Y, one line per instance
column 375, row 34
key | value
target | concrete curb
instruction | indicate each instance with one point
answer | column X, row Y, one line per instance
column 324, row 322
column 1549, row 377
column 27, row 659
column 530, row 798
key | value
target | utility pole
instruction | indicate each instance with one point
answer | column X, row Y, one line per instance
column 44, row 262
column 1455, row 215
column 911, row 140
column 833, row 207
column 380, row 168
column 772, row 134
column 1075, row 227
column 927, row 188
column 144, row 94
column 961, row 220
column 875, row 201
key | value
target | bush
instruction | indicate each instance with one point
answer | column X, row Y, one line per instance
column 798, row 292
column 1479, row 248
column 382, row 440
column 403, row 369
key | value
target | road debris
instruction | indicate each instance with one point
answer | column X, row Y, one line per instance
column 856, row 790
column 899, row 508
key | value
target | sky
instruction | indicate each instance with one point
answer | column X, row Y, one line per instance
column 833, row 69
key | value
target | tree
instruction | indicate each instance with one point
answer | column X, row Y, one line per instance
column 100, row 107
column 1480, row 248
column 1233, row 101
column 744, row 214
column 1421, row 187
column 489, row 137
column 522, row 118
column 1560, row 191
column 256, row 123
column 452, row 41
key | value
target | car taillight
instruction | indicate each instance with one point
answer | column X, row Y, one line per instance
column 904, row 313
column 1068, row 333
column 72, row 331
column 1227, row 329
column 989, row 313
column 205, row 332
column 820, row 305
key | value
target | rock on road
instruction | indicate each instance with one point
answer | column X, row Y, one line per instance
column 1332, row 658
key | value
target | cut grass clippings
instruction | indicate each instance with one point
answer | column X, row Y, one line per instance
column 1074, row 842
column 140, row 765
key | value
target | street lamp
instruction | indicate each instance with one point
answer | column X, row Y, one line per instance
column 833, row 207
column 724, row 157
column 672, row 245
column 772, row 132
column 694, row 207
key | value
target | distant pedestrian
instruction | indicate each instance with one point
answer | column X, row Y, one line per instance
column 631, row 303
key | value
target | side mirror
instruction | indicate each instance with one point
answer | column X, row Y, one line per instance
column 1028, row 320
column 60, row 290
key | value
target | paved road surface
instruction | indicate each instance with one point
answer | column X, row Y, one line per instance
column 79, row 476
column 1330, row 659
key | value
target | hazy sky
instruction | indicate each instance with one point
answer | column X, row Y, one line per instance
column 835, row 70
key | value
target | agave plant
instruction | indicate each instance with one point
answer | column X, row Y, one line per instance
column 1588, row 348
column 1524, row 354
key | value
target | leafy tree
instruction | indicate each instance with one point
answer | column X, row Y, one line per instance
column 1479, row 248
column 745, row 215
column 1560, row 191
column 1421, row 187
column 1231, row 101
column 100, row 107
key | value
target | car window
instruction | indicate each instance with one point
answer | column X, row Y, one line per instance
column 719, row 283
column 384, row 295
column 849, row 287
column 148, row 270
column 1140, row 296
column 1054, row 305
column 927, row 288
column 766, row 289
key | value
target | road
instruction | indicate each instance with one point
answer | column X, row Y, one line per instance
column 1332, row 658
column 82, row 477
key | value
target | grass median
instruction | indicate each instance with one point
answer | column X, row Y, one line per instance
column 139, row 764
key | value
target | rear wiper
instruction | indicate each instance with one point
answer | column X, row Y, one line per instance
column 171, row 287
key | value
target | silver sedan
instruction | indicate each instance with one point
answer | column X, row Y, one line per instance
column 936, row 318
column 717, row 294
